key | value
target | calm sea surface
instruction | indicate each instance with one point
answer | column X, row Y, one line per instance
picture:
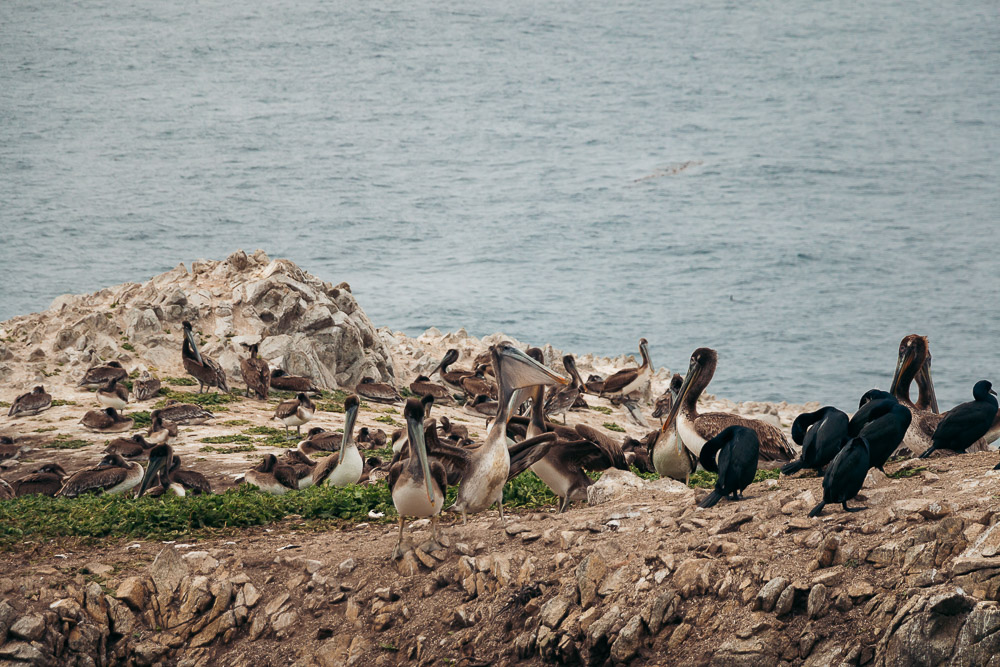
column 797, row 184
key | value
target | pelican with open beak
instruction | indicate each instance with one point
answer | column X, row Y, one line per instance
column 416, row 483
column 489, row 465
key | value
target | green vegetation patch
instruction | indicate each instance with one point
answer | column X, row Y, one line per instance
column 236, row 422
column 57, row 402
column 64, row 441
column 600, row 408
column 181, row 382
column 228, row 450
column 140, row 419
column 903, row 473
column 386, row 419
column 45, row 429
column 702, row 479
column 208, row 399
column 611, row 426
column 223, row 439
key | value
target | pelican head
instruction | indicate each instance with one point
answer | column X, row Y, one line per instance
column 189, row 334
column 913, row 352
column 701, row 368
column 351, row 404
column 112, row 461
column 414, row 414
column 159, row 458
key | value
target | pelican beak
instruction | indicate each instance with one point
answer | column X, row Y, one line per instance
column 348, row 438
column 903, row 363
column 675, row 405
column 518, row 370
column 194, row 346
column 155, row 465
column 415, row 432
column 924, row 373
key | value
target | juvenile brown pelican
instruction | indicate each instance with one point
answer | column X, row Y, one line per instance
column 423, row 386
column 106, row 421
column 184, row 414
column 452, row 430
column 135, row 447
column 112, row 475
column 630, row 380
column 282, row 381
column 113, row 395
column 564, row 466
column 560, row 400
column 490, row 464
column 594, row 384
column 345, row 468
column 417, row 483
column 669, row 456
column 206, row 371
column 164, row 465
column 305, row 467
column 371, row 439
column 10, row 450
column 736, row 448
column 45, row 481
column 256, row 373
column 451, row 379
column 319, row 439
column 295, row 412
column 160, row 432
column 966, row 423
column 478, row 385
column 696, row 429
column 98, row 376
column 26, row 405
column 145, row 387
column 380, row 392
column 481, row 406
column 662, row 405
column 272, row 476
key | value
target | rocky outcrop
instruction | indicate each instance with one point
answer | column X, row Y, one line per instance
column 306, row 326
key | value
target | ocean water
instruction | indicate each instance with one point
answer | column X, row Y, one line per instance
column 796, row 184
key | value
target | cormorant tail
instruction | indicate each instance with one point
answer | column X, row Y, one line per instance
column 711, row 499
column 816, row 511
column 792, row 467
column 928, row 452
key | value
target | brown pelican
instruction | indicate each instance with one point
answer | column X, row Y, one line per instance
column 256, row 373
column 372, row 439
column 113, row 395
column 160, row 432
column 295, row 412
column 32, row 403
column 662, row 405
column 345, row 468
column 112, row 475
column 185, row 414
column 452, row 430
column 451, row 379
column 417, row 482
column 481, row 406
column 282, row 381
column 145, row 387
column 272, row 476
column 304, row 467
column 478, row 385
column 380, row 392
column 98, row 376
column 45, row 481
column 630, row 380
column 106, row 421
column 319, row 439
column 206, row 371
column 10, row 450
column 560, row 400
column 490, row 464
column 594, row 384
column 135, row 447
column 564, row 466
column 164, row 465
column 423, row 386
column 696, row 429
column 670, row 458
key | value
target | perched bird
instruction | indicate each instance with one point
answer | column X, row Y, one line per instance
column 11, row 450
column 282, row 381
column 630, row 380
column 845, row 476
column 423, row 386
column 26, row 405
column 451, row 378
column 205, row 370
column 964, row 424
column 637, row 452
column 560, row 400
column 113, row 395
column 737, row 448
column 662, row 405
column 380, row 392
column 884, row 432
column 594, row 384
column 272, row 476
column 145, row 387
column 305, row 467
column 481, row 406
column 346, row 467
column 319, row 439
column 160, row 432
column 98, row 376
column 478, row 385
column 184, row 414
column 45, row 480
column 695, row 429
column 136, row 447
column 821, row 434
column 873, row 401
column 112, row 475
column 295, row 412
column 164, row 466
column 452, row 430
column 256, row 373
column 106, row 421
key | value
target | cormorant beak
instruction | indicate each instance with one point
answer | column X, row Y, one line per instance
column 415, row 433
column 194, row 346
column 993, row 392
column 154, row 467
column 675, row 405
column 348, row 438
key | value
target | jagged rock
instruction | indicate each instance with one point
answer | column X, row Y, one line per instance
column 680, row 633
column 276, row 604
column 285, row 622
column 816, row 603
column 123, row 620
column 341, row 651
column 250, row 594
column 22, row 652
column 732, row 524
column 785, row 601
column 589, row 574
column 598, row 630
column 408, row 565
column 553, row 612
column 744, row 652
column 768, row 595
column 950, row 604
column 859, row 588
column 613, row 484
column 148, row 652
column 200, row 561
column 346, row 567
column 167, row 571
column 694, row 576
column 660, row 611
column 29, row 628
column 627, row 644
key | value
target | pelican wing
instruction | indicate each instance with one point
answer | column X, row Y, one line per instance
column 94, row 479
column 773, row 445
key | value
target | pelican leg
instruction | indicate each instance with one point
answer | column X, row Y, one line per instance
column 433, row 544
column 503, row 521
column 397, row 551
column 564, row 505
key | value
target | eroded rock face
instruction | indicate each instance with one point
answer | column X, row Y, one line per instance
column 306, row 326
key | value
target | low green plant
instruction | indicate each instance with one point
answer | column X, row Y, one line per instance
column 611, row 426
column 64, row 441
column 601, row 408
column 181, row 382
column 223, row 439
column 386, row 419
column 207, row 399
column 45, row 429
column 57, row 402
column 140, row 419
column 228, row 450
